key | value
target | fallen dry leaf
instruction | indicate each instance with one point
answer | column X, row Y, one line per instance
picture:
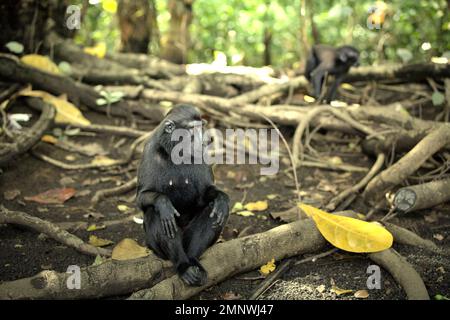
column 53, row 196
column 257, row 206
column 245, row 213
column 339, row 291
column 361, row 294
column 438, row 236
column 128, row 249
column 94, row 227
column 11, row 194
column 268, row 267
column 99, row 242
column 321, row 288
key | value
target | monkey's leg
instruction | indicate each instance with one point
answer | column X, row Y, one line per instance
column 332, row 91
column 170, row 248
column 202, row 232
column 317, row 79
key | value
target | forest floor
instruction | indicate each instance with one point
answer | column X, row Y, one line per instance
column 24, row 253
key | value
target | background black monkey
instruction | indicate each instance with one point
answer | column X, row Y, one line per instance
column 325, row 60
column 184, row 212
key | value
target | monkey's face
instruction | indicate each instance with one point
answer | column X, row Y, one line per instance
column 183, row 125
column 348, row 56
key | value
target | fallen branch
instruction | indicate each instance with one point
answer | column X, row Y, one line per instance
column 343, row 116
column 101, row 194
column 331, row 206
column 51, row 230
column 408, row 164
column 270, row 89
column 28, row 138
column 409, row 73
column 423, row 196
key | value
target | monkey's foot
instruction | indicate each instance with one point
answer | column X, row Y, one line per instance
column 193, row 274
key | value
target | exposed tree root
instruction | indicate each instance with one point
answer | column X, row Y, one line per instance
column 408, row 164
column 407, row 73
column 51, row 230
column 402, row 272
column 404, row 236
column 28, row 138
column 101, row 194
column 344, row 194
column 269, row 89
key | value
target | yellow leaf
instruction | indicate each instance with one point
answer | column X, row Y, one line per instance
column 271, row 196
column 361, row 294
column 309, row 98
column 66, row 112
column 238, row 206
column 340, row 291
column 99, row 242
column 245, row 213
column 49, row 139
column 335, row 161
column 103, row 161
column 94, row 227
column 268, row 267
column 349, row 234
column 257, row 206
column 123, row 208
column 99, row 50
column 128, row 249
column 347, row 86
column 42, row 63
column 109, row 6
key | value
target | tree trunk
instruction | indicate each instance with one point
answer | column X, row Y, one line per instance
column 28, row 21
column 135, row 23
column 176, row 42
column 304, row 29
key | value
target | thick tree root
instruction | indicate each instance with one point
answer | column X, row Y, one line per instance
column 408, row 164
column 402, row 272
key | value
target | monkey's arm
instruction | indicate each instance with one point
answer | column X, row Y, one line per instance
column 220, row 201
column 163, row 206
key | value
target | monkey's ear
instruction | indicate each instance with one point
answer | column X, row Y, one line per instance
column 169, row 126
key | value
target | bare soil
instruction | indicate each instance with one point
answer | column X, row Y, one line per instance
column 24, row 253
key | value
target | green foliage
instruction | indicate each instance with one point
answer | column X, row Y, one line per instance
column 413, row 30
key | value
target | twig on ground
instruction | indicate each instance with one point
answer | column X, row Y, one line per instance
column 51, row 230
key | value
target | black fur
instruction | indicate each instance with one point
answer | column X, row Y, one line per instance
column 325, row 60
column 180, row 220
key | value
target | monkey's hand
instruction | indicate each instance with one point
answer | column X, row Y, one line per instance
column 220, row 210
column 167, row 214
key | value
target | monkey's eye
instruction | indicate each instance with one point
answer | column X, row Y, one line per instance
column 169, row 126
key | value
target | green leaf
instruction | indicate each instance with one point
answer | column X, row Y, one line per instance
column 101, row 102
column 65, row 67
column 14, row 47
column 437, row 98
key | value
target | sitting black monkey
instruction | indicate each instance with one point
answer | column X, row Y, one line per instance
column 325, row 60
column 184, row 212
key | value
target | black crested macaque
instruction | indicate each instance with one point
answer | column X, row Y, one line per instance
column 184, row 212
column 326, row 60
